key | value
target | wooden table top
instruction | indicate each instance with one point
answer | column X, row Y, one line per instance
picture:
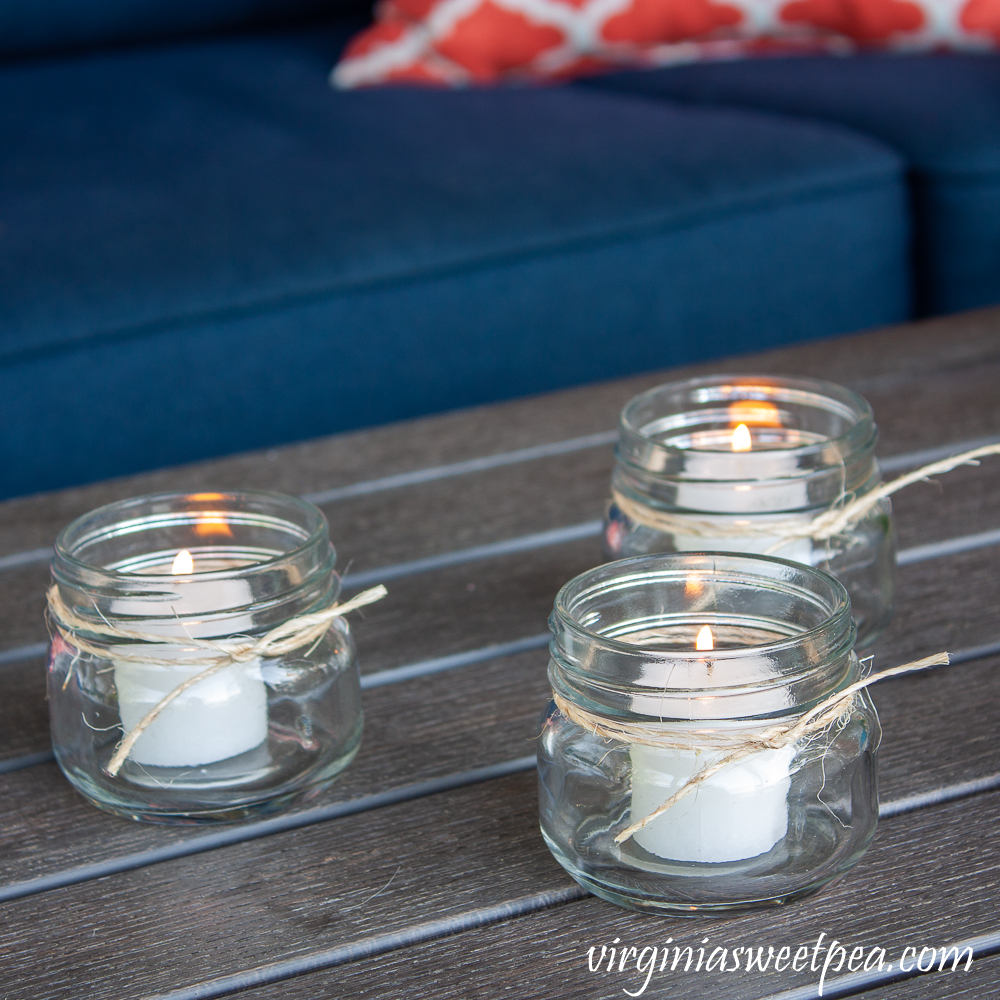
column 421, row 872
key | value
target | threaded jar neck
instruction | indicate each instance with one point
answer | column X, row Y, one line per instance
column 625, row 635
column 811, row 442
column 257, row 559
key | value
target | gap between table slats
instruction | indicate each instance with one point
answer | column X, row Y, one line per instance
column 894, row 463
column 378, row 944
column 523, row 543
column 848, row 985
column 438, row 664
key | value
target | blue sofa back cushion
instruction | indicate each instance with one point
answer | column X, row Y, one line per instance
column 29, row 27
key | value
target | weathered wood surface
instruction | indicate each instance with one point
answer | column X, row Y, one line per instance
column 295, row 893
column 981, row 982
column 487, row 712
column 967, row 501
column 925, row 881
column 195, row 918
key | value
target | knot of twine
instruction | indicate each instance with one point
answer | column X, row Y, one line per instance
column 828, row 524
column 219, row 653
column 741, row 745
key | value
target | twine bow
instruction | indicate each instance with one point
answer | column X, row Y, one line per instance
column 818, row 718
column 828, row 524
column 297, row 632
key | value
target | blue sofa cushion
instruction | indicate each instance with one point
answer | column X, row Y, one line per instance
column 35, row 26
column 941, row 111
column 206, row 249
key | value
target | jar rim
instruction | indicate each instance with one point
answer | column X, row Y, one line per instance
column 836, row 621
column 314, row 522
column 849, row 402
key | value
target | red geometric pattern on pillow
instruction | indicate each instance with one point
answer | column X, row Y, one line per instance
column 982, row 16
column 864, row 21
column 649, row 21
column 491, row 40
column 463, row 42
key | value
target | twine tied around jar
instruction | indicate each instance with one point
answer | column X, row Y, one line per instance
column 830, row 523
column 735, row 747
column 307, row 629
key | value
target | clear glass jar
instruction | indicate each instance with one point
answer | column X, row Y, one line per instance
column 764, row 830
column 685, row 482
column 248, row 739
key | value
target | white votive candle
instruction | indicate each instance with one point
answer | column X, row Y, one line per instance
column 221, row 716
column 739, row 812
column 759, row 487
column 224, row 714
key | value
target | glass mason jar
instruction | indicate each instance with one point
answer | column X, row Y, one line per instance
column 243, row 741
column 638, row 711
column 731, row 463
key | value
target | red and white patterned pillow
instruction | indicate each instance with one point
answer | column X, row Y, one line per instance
column 462, row 42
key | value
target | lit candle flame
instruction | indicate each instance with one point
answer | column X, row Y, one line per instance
column 705, row 639
column 741, row 439
column 183, row 564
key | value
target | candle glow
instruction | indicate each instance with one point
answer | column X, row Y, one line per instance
column 213, row 524
column 755, row 413
column 705, row 639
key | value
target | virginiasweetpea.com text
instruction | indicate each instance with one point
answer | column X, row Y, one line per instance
column 823, row 957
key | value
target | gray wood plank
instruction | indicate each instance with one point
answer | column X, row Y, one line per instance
column 925, row 881
column 964, row 502
column 24, row 714
column 187, row 921
column 431, row 726
column 978, row 983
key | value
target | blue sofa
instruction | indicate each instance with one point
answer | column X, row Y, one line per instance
column 204, row 248
column 941, row 112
